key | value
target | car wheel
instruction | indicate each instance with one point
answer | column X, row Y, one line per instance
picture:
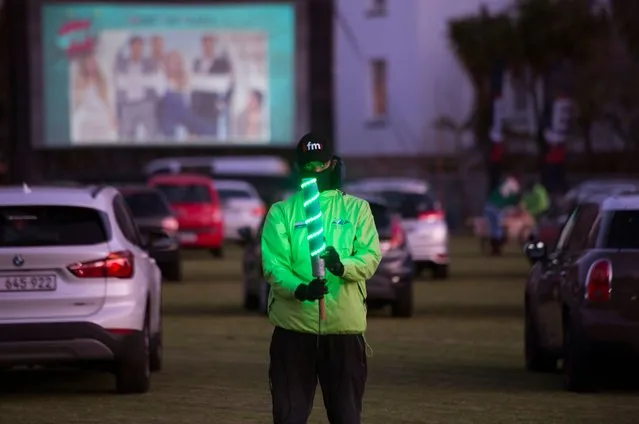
column 173, row 271
column 218, row 252
column 251, row 302
column 536, row 358
column 133, row 371
column 402, row 306
column 440, row 272
column 578, row 373
column 156, row 354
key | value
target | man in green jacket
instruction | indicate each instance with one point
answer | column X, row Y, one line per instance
column 305, row 348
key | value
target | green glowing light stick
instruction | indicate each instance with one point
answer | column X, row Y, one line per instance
column 315, row 228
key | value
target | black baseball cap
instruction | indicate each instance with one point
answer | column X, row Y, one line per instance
column 313, row 148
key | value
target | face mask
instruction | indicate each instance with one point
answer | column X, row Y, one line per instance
column 325, row 179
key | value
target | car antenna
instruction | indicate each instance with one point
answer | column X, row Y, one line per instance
column 25, row 188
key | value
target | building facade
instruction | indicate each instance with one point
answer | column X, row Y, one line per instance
column 396, row 76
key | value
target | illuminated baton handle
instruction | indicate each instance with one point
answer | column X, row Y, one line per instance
column 315, row 228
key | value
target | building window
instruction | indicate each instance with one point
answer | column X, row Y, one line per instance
column 378, row 86
column 377, row 8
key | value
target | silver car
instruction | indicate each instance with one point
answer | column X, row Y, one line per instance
column 422, row 218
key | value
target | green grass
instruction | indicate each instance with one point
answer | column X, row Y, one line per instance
column 458, row 360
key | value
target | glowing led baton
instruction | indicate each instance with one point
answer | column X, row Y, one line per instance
column 315, row 228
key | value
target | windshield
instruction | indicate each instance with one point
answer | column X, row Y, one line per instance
column 145, row 204
column 408, row 205
column 185, row 193
column 32, row 226
column 229, row 193
column 623, row 230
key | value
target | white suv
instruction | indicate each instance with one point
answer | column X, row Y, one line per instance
column 77, row 285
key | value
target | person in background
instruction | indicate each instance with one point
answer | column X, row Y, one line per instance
column 177, row 120
column 303, row 347
column 507, row 194
column 249, row 124
column 212, row 87
column 93, row 117
column 158, row 56
column 136, row 96
column 536, row 199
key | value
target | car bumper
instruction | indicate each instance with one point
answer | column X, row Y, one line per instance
column 393, row 272
column 232, row 229
column 609, row 327
column 166, row 256
column 429, row 251
column 65, row 342
column 208, row 238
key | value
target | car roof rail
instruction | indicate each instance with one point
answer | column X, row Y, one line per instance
column 95, row 190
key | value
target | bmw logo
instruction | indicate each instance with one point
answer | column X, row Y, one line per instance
column 18, row 260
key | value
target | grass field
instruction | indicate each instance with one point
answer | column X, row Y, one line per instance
column 458, row 360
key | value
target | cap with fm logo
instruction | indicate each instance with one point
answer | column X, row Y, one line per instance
column 313, row 148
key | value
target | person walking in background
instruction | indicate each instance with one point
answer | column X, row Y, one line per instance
column 506, row 195
column 136, row 93
column 304, row 348
column 212, row 87
column 249, row 124
column 93, row 117
column 177, row 120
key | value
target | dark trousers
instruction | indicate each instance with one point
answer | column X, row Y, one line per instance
column 298, row 360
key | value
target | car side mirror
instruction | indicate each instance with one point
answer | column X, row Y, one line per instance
column 246, row 235
column 535, row 251
column 158, row 241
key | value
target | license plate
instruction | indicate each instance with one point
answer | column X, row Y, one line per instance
column 28, row 283
column 188, row 237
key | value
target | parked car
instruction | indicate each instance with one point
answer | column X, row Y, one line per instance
column 269, row 174
column 241, row 205
column 550, row 223
column 198, row 209
column 77, row 285
column 422, row 218
column 392, row 283
column 153, row 215
column 583, row 298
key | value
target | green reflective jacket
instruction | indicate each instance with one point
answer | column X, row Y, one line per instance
column 350, row 228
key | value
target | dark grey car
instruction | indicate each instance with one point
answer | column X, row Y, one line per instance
column 153, row 215
column 392, row 283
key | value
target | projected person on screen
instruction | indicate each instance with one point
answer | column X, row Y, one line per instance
column 93, row 118
column 212, row 87
column 177, row 120
column 136, row 81
column 249, row 124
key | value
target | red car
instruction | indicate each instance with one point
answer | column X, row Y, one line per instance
column 197, row 206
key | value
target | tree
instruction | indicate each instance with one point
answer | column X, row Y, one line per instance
column 623, row 109
column 552, row 33
column 480, row 42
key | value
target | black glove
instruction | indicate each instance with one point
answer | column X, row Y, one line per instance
column 314, row 290
column 332, row 261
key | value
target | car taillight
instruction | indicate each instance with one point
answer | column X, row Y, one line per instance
column 259, row 211
column 217, row 214
column 598, row 281
column 431, row 216
column 170, row 225
column 397, row 234
column 115, row 265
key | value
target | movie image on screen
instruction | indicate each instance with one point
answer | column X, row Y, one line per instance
column 123, row 75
